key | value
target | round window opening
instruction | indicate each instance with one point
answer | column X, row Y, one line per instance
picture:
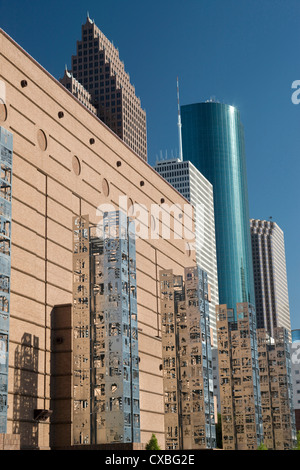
column 105, row 187
column 130, row 206
column 3, row 111
column 76, row 165
column 42, row 140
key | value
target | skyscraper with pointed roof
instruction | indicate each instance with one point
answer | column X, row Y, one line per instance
column 98, row 68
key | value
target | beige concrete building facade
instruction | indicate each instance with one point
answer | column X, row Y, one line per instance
column 66, row 163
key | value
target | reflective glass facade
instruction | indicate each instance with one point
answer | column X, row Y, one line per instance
column 213, row 140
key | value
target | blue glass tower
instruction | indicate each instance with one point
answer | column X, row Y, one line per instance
column 213, row 140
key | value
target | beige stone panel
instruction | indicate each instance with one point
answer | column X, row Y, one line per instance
column 92, row 198
column 28, row 262
column 59, row 234
column 76, row 204
column 90, row 210
column 59, row 151
column 151, row 382
column 22, row 354
column 57, row 296
column 150, row 345
column 92, row 178
column 59, row 277
column 59, row 193
column 27, row 239
column 29, row 217
column 27, row 172
column 47, row 378
column 150, row 401
column 150, row 363
column 43, row 435
column 152, row 422
column 145, row 252
column 147, row 320
column 168, row 262
column 27, row 310
column 19, row 355
column 30, row 196
column 145, row 280
column 147, row 299
column 21, row 124
column 27, row 285
column 59, row 255
column 59, row 213
column 145, row 263
column 56, row 171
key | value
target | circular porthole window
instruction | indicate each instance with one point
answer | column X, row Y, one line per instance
column 130, row 206
column 76, row 165
column 3, row 111
column 42, row 140
column 153, row 223
column 188, row 249
column 105, row 187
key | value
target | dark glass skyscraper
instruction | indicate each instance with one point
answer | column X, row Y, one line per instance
column 213, row 140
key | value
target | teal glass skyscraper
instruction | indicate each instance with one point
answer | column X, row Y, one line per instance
column 213, row 140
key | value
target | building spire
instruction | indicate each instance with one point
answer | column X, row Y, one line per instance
column 179, row 125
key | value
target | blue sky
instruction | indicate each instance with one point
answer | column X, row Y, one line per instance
column 243, row 53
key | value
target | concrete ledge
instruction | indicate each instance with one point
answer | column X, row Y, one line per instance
column 112, row 447
column 9, row 442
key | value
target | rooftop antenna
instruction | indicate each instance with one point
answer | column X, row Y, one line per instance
column 179, row 125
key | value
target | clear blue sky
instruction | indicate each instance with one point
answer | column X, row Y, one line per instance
column 242, row 52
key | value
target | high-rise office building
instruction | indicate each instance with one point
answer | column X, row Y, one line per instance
column 78, row 90
column 213, row 140
column 270, row 276
column 187, row 361
column 185, row 177
column 98, row 68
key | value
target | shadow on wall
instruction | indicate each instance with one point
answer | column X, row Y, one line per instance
column 25, row 391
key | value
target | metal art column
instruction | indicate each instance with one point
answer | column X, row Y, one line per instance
column 6, row 154
column 81, row 332
column 115, row 406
